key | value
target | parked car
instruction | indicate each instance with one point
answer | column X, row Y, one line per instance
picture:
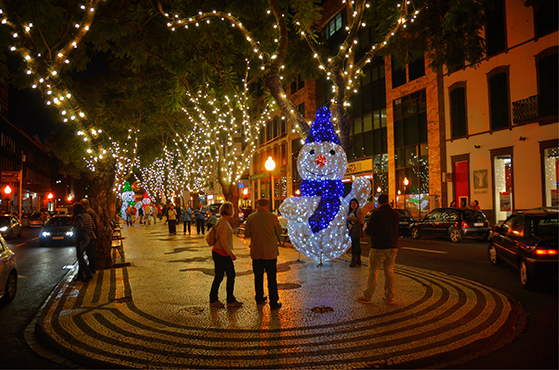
column 57, row 231
column 9, row 226
column 528, row 242
column 213, row 208
column 405, row 220
column 8, row 273
column 244, row 212
column 35, row 220
column 456, row 223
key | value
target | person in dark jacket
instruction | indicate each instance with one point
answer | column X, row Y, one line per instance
column 83, row 227
column 383, row 230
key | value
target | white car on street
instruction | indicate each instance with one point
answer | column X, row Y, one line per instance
column 8, row 273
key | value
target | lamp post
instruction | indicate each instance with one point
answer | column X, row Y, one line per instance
column 270, row 166
column 245, row 196
column 406, row 183
column 7, row 192
column 21, row 184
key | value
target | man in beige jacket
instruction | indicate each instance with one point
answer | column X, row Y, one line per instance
column 264, row 230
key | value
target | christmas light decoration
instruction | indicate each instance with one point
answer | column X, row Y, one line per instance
column 128, row 197
column 317, row 220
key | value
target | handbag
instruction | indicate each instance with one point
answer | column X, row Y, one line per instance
column 211, row 238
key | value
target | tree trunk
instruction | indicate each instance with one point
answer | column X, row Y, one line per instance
column 231, row 194
column 103, row 202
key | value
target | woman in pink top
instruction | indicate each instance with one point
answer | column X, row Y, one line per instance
column 223, row 256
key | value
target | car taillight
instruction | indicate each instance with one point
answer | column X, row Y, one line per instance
column 465, row 224
column 546, row 252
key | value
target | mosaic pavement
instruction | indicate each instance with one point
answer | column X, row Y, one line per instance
column 155, row 314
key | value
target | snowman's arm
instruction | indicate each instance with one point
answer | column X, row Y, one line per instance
column 298, row 208
column 360, row 190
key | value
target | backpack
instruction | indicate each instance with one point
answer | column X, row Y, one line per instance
column 211, row 238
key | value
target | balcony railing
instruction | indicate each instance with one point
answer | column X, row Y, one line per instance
column 534, row 108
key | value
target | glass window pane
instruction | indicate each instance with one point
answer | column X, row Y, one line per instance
column 357, row 127
column 367, row 124
column 358, row 146
column 376, row 120
column 368, row 144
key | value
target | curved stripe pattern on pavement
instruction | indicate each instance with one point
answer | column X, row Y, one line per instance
column 447, row 319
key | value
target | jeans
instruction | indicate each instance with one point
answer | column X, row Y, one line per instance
column 386, row 258
column 200, row 225
column 356, row 246
column 223, row 265
column 270, row 267
column 185, row 224
column 83, row 266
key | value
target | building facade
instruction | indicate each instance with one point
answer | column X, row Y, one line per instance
column 20, row 153
column 501, row 117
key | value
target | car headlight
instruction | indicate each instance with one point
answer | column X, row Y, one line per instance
column 3, row 228
column 45, row 234
column 69, row 233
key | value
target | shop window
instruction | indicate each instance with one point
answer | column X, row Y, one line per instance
column 495, row 30
column 458, row 123
column 550, row 164
column 503, row 183
column 499, row 101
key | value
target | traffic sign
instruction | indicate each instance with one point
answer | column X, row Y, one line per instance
column 10, row 176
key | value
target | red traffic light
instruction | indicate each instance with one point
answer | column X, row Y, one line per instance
column 7, row 190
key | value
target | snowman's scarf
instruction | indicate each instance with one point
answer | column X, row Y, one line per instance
column 329, row 192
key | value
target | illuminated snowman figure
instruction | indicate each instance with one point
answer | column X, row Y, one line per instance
column 317, row 220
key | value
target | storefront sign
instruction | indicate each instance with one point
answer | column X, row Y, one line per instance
column 480, row 179
column 505, row 201
column 359, row 166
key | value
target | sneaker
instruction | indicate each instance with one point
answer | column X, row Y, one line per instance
column 387, row 301
column 217, row 304
column 276, row 306
column 235, row 304
column 362, row 300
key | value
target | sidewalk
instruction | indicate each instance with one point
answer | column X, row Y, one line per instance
column 155, row 314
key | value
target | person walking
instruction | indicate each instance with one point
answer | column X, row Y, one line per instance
column 223, row 256
column 264, row 230
column 141, row 215
column 200, row 215
column 172, row 219
column 129, row 216
column 383, row 229
column 355, row 221
column 93, row 245
column 186, row 218
column 83, row 225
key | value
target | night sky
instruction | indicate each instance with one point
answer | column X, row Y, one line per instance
column 28, row 112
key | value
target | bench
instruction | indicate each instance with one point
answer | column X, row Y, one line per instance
column 117, row 241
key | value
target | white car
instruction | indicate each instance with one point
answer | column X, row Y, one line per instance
column 8, row 273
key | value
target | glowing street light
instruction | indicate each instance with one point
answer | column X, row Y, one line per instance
column 7, row 190
column 270, row 166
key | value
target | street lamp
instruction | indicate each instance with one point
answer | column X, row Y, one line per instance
column 270, row 166
column 245, row 195
column 7, row 192
column 406, row 183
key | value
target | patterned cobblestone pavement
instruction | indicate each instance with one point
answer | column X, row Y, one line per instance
column 155, row 314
